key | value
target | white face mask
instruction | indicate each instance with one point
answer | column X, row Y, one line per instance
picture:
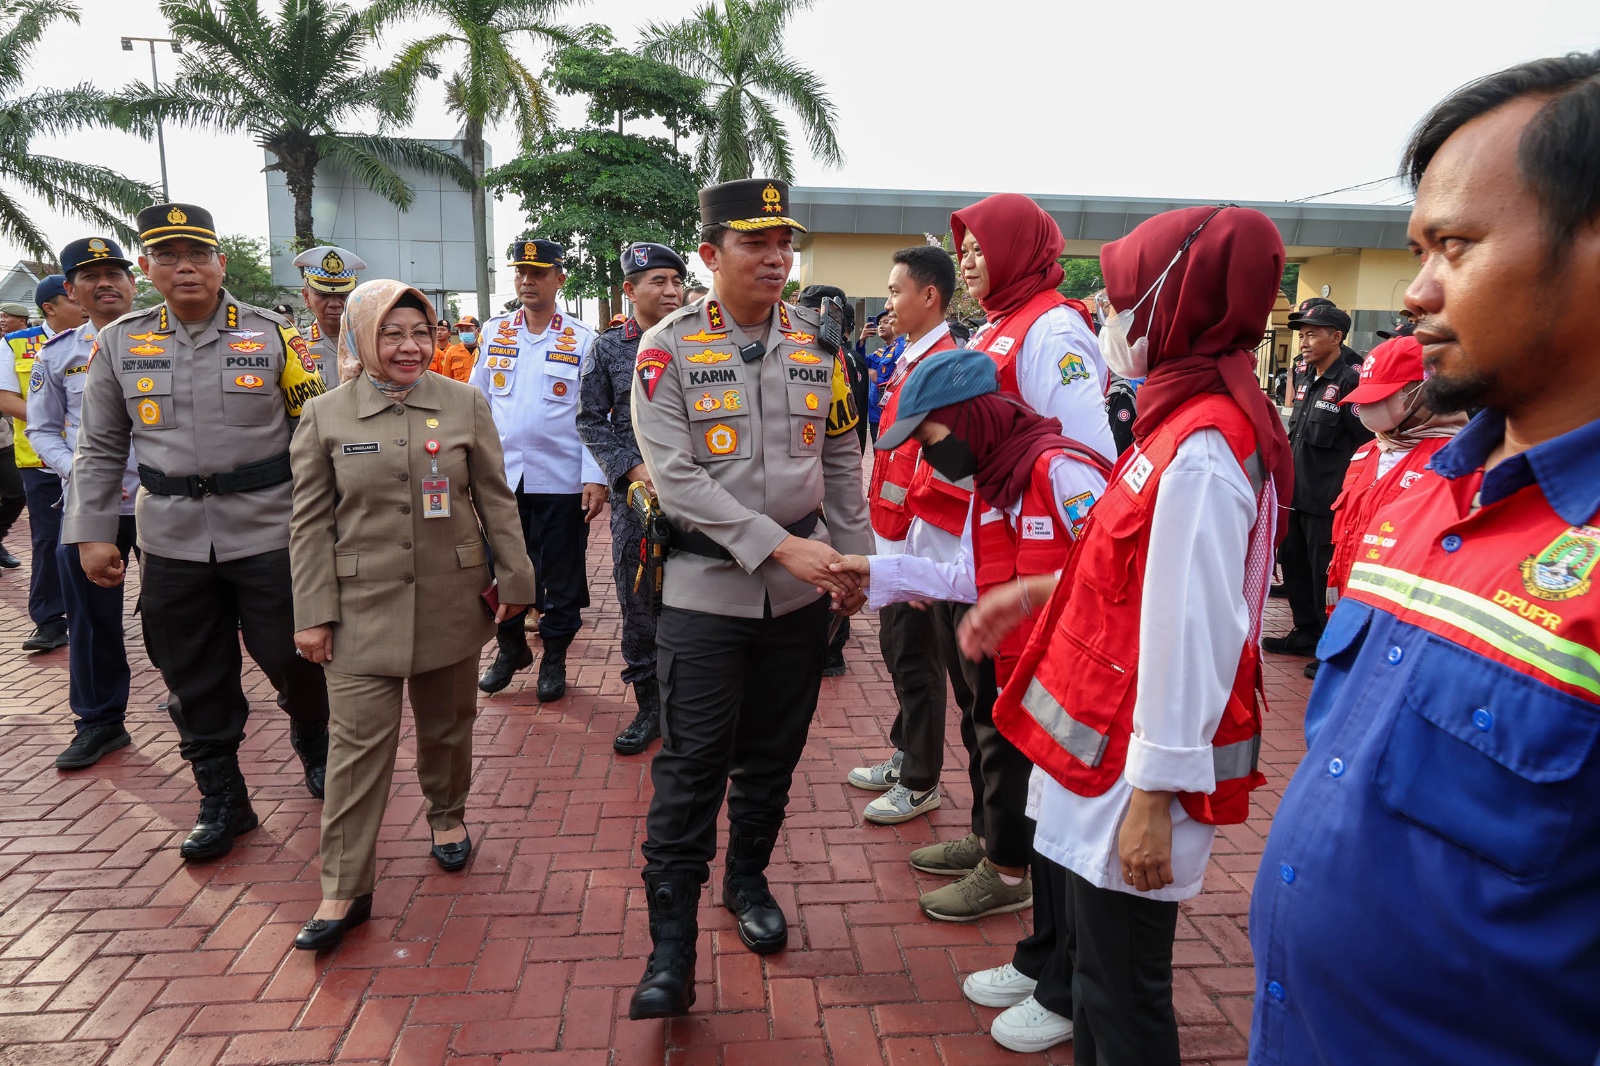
column 1387, row 414
column 1133, row 360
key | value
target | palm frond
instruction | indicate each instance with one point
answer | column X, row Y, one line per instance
column 17, row 226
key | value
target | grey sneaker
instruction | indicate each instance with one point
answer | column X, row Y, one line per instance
column 900, row 804
column 953, row 858
column 977, row 895
column 880, row 778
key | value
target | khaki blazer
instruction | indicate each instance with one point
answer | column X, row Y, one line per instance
column 402, row 591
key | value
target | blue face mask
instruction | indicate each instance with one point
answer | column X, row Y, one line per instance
column 469, row 338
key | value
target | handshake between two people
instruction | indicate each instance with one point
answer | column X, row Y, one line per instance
column 818, row 565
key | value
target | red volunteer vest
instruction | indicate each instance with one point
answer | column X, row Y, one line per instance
column 893, row 472
column 1069, row 705
column 1004, row 340
column 1361, row 497
column 1038, row 544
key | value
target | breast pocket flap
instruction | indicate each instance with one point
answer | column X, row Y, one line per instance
column 470, row 555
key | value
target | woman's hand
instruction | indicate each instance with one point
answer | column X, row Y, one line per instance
column 1000, row 611
column 1145, row 841
column 508, row 610
column 315, row 644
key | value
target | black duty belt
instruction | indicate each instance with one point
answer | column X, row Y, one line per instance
column 250, row 477
column 687, row 540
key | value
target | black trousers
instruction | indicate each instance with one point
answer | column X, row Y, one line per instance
column 840, row 637
column 638, row 621
column 12, row 498
column 1046, row 954
column 97, row 655
column 997, row 770
column 558, row 543
column 194, row 615
column 47, row 602
column 1305, row 555
column 911, row 654
column 737, row 696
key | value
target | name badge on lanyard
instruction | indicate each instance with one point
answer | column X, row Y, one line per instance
column 435, row 489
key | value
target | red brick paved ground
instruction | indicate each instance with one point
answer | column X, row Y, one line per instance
column 113, row 951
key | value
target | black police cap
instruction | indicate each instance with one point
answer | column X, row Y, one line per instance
column 168, row 222
column 747, row 204
column 646, row 255
column 538, row 253
column 87, row 250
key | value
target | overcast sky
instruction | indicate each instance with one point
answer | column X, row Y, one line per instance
column 1228, row 100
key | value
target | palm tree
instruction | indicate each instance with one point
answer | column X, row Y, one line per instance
column 490, row 82
column 296, row 85
column 98, row 195
column 736, row 47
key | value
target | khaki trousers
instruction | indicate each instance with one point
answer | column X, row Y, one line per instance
column 363, row 736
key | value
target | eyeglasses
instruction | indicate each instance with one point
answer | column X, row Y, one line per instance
column 168, row 257
column 394, row 336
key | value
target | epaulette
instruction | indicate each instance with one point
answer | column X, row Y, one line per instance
column 73, row 332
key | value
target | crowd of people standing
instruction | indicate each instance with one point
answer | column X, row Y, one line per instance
column 1072, row 520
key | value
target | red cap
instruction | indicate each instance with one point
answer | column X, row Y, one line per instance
column 1387, row 367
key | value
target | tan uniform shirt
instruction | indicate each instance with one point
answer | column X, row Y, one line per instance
column 205, row 404
column 323, row 350
column 403, row 591
column 739, row 450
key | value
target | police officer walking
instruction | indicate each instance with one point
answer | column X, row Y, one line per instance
column 528, row 368
column 653, row 280
column 330, row 274
column 206, row 390
column 747, row 427
column 99, row 278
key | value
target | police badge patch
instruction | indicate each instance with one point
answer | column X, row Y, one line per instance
column 652, row 365
column 1563, row 570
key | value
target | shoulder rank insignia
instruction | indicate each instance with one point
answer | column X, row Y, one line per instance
column 714, row 315
column 783, row 317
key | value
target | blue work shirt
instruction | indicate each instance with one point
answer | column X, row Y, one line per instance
column 1430, row 890
column 883, row 361
column 55, row 406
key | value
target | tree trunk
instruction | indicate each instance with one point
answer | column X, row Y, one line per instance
column 480, row 224
column 617, row 306
column 605, row 312
column 301, row 180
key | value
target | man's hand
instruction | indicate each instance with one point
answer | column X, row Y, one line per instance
column 508, row 610
column 1145, row 842
column 315, row 645
column 851, row 604
column 1000, row 611
column 639, row 473
column 102, row 563
column 809, row 561
column 594, row 498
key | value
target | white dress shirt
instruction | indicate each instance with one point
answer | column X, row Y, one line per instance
column 1061, row 374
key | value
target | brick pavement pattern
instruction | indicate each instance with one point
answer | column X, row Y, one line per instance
column 113, row 951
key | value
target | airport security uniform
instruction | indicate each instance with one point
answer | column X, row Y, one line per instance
column 42, row 488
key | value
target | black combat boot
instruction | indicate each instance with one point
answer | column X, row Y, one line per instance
column 224, row 809
column 762, row 925
column 514, row 655
column 553, row 670
column 646, row 724
column 313, row 752
column 667, row 988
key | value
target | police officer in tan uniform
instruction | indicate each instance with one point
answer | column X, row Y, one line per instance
column 747, row 427
column 330, row 274
column 206, row 391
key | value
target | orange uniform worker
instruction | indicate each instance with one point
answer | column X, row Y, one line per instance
column 458, row 360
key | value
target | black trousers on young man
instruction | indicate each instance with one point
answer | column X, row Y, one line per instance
column 911, row 653
column 1305, row 555
column 557, row 539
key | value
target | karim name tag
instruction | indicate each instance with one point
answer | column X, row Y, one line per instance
column 436, row 497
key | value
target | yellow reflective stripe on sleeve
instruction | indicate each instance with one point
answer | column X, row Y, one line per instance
column 299, row 381
column 1564, row 660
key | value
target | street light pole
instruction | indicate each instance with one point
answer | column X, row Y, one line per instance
column 155, row 83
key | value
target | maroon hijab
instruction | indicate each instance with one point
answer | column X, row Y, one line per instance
column 1204, row 329
column 1020, row 243
column 1007, row 437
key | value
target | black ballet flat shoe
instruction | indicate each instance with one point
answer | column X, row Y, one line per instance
column 323, row 934
column 452, row 857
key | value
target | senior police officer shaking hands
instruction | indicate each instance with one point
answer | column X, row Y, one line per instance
column 206, row 390
column 653, row 279
column 330, row 275
column 747, row 427
column 529, row 371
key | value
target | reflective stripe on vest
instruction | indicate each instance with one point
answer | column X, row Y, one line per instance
column 892, row 492
column 1076, row 739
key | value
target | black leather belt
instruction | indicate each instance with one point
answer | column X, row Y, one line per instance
column 695, row 543
column 250, row 477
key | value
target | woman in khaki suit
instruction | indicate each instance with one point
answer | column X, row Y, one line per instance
column 398, row 482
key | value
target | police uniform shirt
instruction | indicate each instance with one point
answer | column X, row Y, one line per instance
column 531, row 381
column 1323, row 433
column 737, row 451
column 55, row 405
column 324, row 353
column 205, row 403
column 605, row 420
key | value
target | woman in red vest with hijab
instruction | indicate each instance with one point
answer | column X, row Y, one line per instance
column 1136, row 698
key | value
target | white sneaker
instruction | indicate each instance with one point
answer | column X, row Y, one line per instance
column 880, row 778
column 1030, row 1027
column 1003, row 986
column 900, row 804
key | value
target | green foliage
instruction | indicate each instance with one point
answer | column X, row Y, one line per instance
column 622, row 86
column 790, row 289
column 104, row 198
column 736, row 47
column 249, row 273
column 1082, row 278
column 1291, row 282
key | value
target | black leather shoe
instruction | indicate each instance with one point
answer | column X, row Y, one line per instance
column 553, row 671
column 646, row 725
column 452, row 857
column 834, row 667
column 1278, row 592
column 762, row 926
column 321, row 934
column 7, row 560
column 667, row 988
column 46, row 638
column 1294, row 642
column 225, row 810
column 313, row 754
column 1311, row 669
column 508, row 662
column 90, row 744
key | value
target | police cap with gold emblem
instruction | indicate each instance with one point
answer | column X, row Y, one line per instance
column 168, row 222
column 748, row 204
column 86, row 250
column 536, row 253
column 329, row 268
